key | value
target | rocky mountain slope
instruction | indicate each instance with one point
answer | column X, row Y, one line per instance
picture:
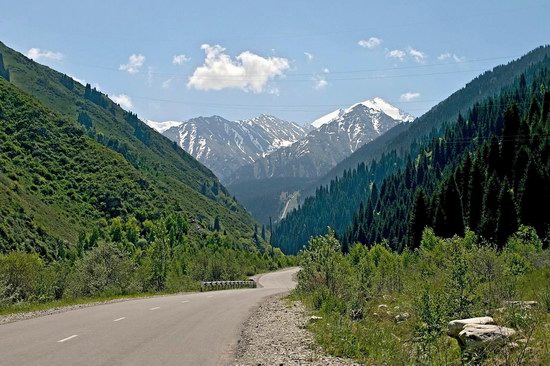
column 224, row 146
column 336, row 136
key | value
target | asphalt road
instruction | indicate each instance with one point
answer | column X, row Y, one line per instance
column 188, row 329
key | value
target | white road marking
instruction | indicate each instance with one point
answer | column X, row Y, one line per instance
column 158, row 307
column 119, row 319
column 185, row 301
column 66, row 339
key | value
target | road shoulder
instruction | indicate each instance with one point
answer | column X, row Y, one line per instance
column 276, row 334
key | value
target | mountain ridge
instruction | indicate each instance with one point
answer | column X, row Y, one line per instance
column 338, row 136
column 225, row 145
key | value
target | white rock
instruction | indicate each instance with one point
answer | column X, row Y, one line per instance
column 476, row 335
column 382, row 306
column 456, row 326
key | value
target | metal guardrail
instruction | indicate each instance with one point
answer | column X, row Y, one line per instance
column 221, row 285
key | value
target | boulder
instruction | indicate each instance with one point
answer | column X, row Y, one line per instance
column 402, row 317
column 478, row 335
column 456, row 326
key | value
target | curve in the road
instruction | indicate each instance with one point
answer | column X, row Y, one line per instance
column 186, row 329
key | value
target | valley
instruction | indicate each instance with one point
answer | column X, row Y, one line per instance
column 276, row 183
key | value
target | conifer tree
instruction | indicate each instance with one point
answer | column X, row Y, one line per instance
column 419, row 219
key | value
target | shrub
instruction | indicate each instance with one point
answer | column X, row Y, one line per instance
column 20, row 273
column 103, row 270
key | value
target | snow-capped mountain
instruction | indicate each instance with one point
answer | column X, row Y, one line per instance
column 376, row 104
column 336, row 136
column 224, row 145
column 163, row 126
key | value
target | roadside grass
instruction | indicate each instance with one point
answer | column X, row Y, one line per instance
column 358, row 297
column 25, row 307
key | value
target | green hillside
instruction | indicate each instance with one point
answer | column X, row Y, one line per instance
column 354, row 187
column 401, row 137
column 71, row 157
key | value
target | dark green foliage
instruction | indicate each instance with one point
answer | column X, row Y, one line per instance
column 382, row 307
column 126, row 257
column 4, row 73
column 217, row 226
column 95, row 96
column 85, row 120
column 419, row 220
column 406, row 137
column 461, row 167
column 69, row 157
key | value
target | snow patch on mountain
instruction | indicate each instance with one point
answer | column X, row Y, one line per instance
column 163, row 126
column 376, row 104
column 224, row 145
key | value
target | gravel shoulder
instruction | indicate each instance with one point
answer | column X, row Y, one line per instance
column 276, row 334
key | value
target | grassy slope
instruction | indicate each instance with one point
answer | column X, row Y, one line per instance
column 172, row 176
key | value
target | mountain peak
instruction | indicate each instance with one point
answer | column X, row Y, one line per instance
column 377, row 104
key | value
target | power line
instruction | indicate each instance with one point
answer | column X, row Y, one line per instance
column 288, row 107
column 309, row 75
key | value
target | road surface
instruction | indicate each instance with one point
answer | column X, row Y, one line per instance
column 188, row 329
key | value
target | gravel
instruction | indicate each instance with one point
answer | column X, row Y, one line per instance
column 276, row 334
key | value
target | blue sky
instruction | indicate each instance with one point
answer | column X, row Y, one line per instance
column 295, row 59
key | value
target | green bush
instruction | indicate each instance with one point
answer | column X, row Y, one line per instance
column 105, row 270
column 360, row 294
column 20, row 273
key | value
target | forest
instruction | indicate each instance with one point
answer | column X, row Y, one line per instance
column 377, row 201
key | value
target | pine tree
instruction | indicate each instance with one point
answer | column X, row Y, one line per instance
column 487, row 227
column 533, row 198
column 217, row 225
column 4, row 73
column 507, row 219
column 475, row 195
column 449, row 218
column 509, row 136
column 419, row 219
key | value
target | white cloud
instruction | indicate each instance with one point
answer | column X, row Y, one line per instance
column 309, row 56
column 166, row 83
column 319, row 80
column 273, row 90
column 372, row 42
column 180, row 59
column 320, row 83
column 81, row 81
column 448, row 55
column 418, row 55
column 135, row 62
column 37, row 53
column 399, row 54
column 408, row 96
column 123, row 100
column 248, row 72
